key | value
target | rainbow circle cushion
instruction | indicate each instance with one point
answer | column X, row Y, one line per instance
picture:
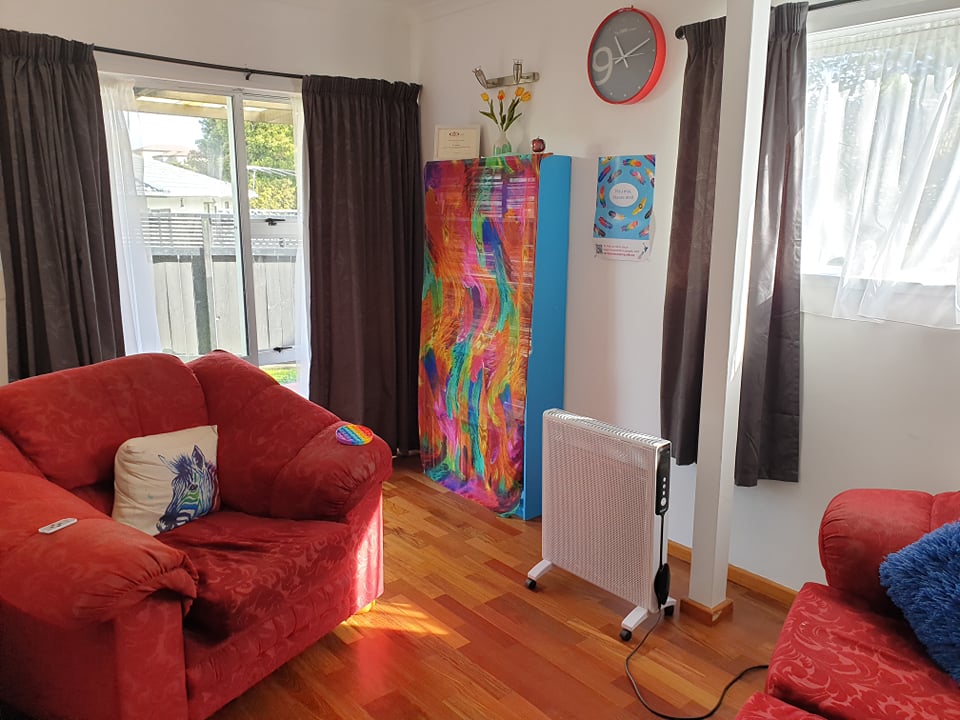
column 351, row 434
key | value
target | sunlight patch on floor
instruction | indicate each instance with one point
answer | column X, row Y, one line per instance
column 394, row 615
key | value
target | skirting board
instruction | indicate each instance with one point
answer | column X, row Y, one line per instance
column 744, row 578
column 706, row 615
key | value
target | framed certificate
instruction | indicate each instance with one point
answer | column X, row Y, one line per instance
column 456, row 143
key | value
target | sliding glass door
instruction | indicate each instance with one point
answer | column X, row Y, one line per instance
column 221, row 224
column 274, row 228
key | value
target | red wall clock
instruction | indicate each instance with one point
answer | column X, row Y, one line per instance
column 626, row 56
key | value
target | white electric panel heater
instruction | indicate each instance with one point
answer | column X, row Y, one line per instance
column 605, row 496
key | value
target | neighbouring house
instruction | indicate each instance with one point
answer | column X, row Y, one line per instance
column 172, row 188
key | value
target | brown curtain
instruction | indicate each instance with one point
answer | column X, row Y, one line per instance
column 366, row 251
column 688, row 266
column 768, row 442
column 56, row 227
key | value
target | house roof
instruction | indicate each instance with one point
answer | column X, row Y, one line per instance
column 164, row 149
column 161, row 179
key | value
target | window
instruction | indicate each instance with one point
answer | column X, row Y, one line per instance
column 882, row 172
column 221, row 246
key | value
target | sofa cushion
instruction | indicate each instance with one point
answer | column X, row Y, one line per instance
column 310, row 475
column 166, row 480
column 923, row 580
column 837, row 658
column 249, row 566
column 92, row 571
column 12, row 460
column 218, row 670
column 70, row 423
column 99, row 496
column 945, row 509
column 765, row 707
column 245, row 403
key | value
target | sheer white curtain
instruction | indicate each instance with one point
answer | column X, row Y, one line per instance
column 881, row 234
column 135, row 266
column 301, row 287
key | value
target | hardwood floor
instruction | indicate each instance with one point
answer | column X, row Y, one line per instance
column 457, row 635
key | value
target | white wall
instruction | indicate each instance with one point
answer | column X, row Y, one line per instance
column 879, row 401
column 881, row 408
column 359, row 38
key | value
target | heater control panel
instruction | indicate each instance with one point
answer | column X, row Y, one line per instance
column 662, row 497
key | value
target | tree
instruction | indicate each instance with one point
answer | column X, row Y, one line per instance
column 270, row 160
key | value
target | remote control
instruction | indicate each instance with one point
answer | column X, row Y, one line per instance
column 58, row 525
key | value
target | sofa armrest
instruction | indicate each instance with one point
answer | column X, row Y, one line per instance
column 326, row 480
column 91, row 571
column 860, row 528
column 277, row 454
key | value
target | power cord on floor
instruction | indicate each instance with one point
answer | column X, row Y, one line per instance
column 636, row 689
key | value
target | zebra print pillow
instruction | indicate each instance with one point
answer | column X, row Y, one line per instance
column 164, row 481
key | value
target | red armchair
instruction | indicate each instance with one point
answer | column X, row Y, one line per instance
column 845, row 652
column 102, row 621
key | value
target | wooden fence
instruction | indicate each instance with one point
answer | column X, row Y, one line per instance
column 198, row 280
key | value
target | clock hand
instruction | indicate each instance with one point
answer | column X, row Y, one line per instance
column 634, row 51
column 622, row 57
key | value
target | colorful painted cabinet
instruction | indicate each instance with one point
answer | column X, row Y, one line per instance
column 493, row 323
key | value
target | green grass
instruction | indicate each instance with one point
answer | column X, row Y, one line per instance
column 283, row 374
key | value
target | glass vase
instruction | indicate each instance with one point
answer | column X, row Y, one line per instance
column 502, row 146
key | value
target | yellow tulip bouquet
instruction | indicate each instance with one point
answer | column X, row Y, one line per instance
column 504, row 119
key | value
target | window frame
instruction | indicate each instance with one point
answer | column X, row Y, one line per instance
column 842, row 17
column 255, row 354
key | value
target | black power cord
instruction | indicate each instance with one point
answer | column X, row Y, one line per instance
column 661, row 589
column 636, row 689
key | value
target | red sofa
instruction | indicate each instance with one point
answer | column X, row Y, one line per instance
column 103, row 621
column 845, row 651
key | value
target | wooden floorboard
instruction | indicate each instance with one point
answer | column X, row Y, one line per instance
column 457, row 635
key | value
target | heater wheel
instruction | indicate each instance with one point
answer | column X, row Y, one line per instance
column 531, row 584
column 668, row 610
column 625, row 635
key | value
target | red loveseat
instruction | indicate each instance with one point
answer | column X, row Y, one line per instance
column 101, row 620
column 845, row 652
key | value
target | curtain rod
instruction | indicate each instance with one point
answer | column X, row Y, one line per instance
column 247, row 72
column 818, row 6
